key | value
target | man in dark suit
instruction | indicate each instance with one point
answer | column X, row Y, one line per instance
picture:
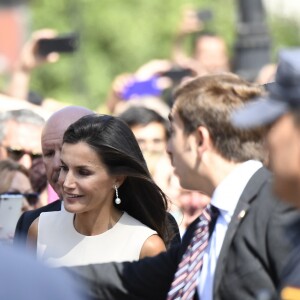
column 280, row 109
column 51, row 140
column 248, row 245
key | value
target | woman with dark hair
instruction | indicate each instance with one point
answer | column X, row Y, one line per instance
column 15, row 180
column 113, row 209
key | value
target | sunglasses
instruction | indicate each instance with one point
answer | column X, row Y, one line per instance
column 32, row 198
column 16, row 154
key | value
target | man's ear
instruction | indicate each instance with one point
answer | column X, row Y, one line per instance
column 202, row 138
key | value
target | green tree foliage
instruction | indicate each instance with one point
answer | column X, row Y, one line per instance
column 116, row 36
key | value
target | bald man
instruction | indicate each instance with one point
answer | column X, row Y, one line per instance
column 52, row 137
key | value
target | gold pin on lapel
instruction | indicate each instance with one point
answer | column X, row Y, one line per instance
column 242, row 214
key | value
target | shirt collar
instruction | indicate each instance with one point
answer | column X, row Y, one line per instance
column 229, row 191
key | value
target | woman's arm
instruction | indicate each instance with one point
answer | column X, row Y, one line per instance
column 152, row 246
column 32, row 236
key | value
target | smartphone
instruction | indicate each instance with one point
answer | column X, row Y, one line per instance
column 10, row 211
column 176, row 75
column 63, row 44
column 138, row 88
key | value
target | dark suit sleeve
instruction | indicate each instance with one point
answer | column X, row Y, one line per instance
column 173, row 230
column 22, row 227
column 149, row 278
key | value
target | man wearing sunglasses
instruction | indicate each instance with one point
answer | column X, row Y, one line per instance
column 20, row 136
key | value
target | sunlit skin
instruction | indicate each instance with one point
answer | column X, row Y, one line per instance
column 87, row 189
column 52, row 138
column 211, row 55
column 88, row 192
column 283, row 142
column 194, row 157
column 151, row 137
column 179, row 148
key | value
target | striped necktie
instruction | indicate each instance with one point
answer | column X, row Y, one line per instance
column 185, row 279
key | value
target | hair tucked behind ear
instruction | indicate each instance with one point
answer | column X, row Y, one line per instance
column 118, row 149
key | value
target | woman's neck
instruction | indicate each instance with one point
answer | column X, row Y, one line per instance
column 94, row 222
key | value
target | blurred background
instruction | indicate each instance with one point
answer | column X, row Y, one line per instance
column 117, row 36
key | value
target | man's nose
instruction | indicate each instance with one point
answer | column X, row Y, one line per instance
column 26, row 161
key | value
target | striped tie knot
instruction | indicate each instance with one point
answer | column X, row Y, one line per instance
column 185, row 279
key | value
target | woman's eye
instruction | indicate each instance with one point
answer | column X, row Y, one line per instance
column 84, row 172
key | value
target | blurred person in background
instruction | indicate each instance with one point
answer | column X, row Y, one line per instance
column 210, row 54
column 15, row 181
column 191, row 204
column 19, row 85
column 150, row 130
column 51, row 140
column 22, row 277
column 20, row 136
column 266, row 74
column 30, row 59
column 150, row 85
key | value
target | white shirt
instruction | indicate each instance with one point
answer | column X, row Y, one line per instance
column 225, row 198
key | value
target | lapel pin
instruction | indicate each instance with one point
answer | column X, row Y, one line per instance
column 242, row 214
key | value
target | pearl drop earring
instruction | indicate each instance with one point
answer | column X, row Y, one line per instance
column 117, row 200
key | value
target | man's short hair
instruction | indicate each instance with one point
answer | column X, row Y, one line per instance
column 19, row 116
column 208, row 101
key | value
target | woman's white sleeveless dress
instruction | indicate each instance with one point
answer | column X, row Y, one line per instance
column 59, row 244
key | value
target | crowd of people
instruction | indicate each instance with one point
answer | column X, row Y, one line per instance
column 184, row 186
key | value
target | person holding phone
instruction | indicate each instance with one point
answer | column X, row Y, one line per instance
column 15, row 180
column 16, row 195
column 29, row 60
column 113, row 210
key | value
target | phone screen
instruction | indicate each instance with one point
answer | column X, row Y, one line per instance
column 10, row 211
column 141, row 88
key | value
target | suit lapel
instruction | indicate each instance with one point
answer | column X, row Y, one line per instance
column 248, row 195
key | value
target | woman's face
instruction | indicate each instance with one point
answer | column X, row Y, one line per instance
column 20, row 184
column 86, row 184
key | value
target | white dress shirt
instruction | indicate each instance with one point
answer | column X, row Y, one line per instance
column 225, row 198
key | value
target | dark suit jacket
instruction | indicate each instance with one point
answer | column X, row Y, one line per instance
column 28, row 217
column 253, row 254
